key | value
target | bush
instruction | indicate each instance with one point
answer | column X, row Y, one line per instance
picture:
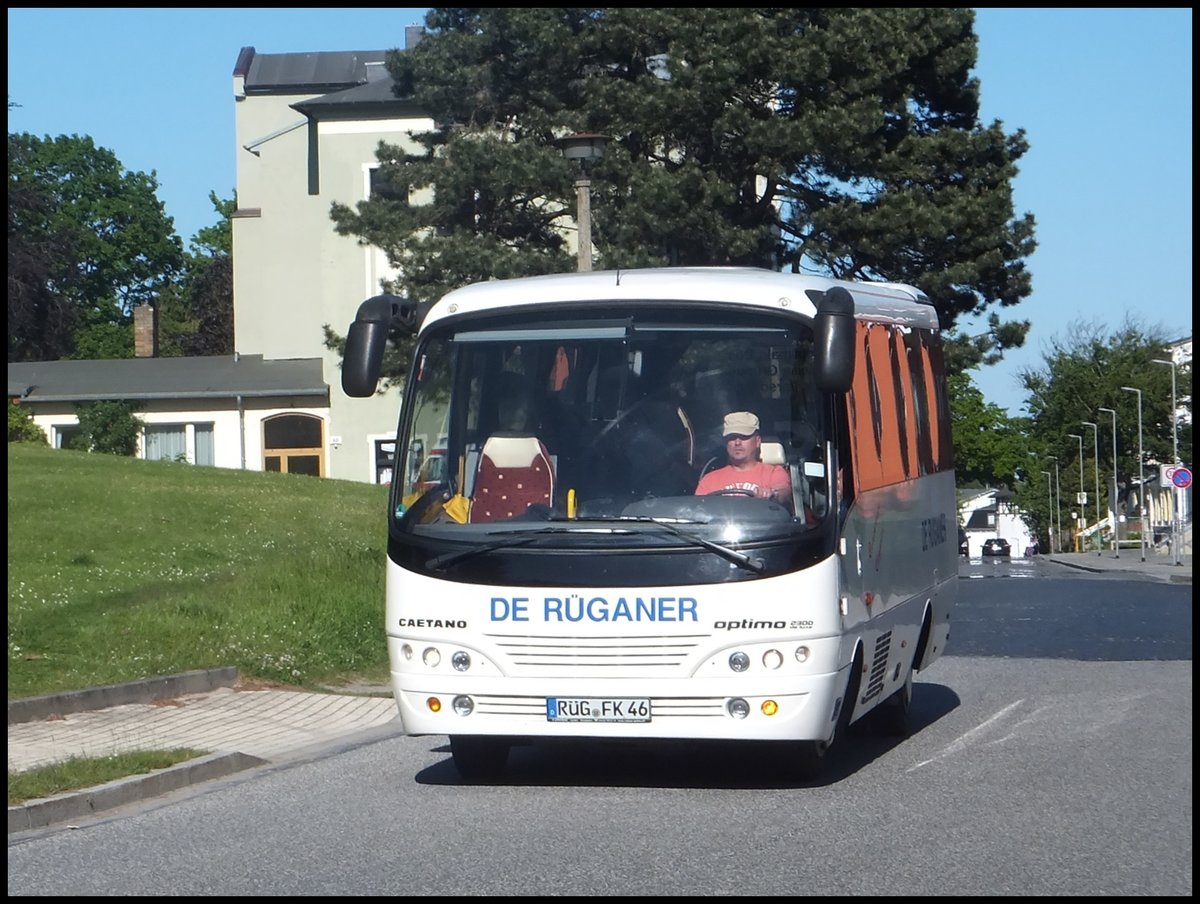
column 109, row 427
column 22, row 429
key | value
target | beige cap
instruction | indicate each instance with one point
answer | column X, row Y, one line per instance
column 740, row 422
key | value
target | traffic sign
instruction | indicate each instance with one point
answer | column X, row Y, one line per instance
column 1181, row 477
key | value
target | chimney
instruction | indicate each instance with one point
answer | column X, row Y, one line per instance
column 145, row 331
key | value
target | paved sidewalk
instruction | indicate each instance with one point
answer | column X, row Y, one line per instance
column 1159, row 566
column 236, row 729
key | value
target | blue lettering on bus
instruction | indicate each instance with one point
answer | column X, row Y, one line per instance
column 578, row 608
column 515, row 609
column 933, row 532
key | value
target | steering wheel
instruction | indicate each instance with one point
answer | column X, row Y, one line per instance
column 732, row 491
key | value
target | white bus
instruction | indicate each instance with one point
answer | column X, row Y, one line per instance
column 563, row 579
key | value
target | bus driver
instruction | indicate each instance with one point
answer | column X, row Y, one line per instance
column 746, row 472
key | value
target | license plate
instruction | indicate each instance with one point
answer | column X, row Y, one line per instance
column 597, row 709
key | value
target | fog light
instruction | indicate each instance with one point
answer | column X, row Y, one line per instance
column 769, row 707
column 431, row 656
column 434, row 704
column 739, row 661
column 802, row 654
column 463, row 705
column 461, row 660
column 406, row 651
column 738, row 708
column 772, row 659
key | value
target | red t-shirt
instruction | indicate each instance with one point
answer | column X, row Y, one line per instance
column 760, row 478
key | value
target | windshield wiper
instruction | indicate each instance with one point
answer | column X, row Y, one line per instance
column 509, row 539
column 732, row 555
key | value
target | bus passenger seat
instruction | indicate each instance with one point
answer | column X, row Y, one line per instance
column 772, row 453
column 515, row 472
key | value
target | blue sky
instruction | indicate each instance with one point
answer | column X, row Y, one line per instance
column 1104, row 95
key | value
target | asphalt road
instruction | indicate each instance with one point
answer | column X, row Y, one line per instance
column 1052, row 755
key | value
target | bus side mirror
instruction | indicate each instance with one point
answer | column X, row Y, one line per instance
column 834, row 328
column 366, row 340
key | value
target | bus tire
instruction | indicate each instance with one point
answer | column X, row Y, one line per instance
column 479, row 759
column 809, row 758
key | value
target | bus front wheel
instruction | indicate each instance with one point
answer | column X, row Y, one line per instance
column 479, row 759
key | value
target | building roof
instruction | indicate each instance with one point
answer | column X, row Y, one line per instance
column 305, row 73
column 349, row 83
column 145, row 379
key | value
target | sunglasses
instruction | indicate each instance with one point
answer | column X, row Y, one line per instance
column 729, row 437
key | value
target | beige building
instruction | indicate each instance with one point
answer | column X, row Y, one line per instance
column 307, row 128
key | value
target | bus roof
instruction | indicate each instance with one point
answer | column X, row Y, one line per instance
column 768, row 289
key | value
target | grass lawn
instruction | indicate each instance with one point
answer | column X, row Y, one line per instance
column 120, row 569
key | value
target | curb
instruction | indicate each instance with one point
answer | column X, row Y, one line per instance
column 147, row 690
column 54, row 811
column 1168, row 578
column 38, row 814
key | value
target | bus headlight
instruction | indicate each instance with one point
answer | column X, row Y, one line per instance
column 802, row 654
column 739, row 661
column 738, row 708
column 463, row 705
column 406, row 651
column 772, row 659
column 461, row 660
column 431, row 657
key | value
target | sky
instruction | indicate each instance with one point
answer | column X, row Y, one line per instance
column 1103, row 95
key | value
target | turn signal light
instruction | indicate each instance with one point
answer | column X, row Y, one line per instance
column 434, row 704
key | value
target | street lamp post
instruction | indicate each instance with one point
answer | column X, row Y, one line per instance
column 1057, row 502
column 1176, row 552
column 1050, row 516
column 1116, row 489
column 1082, row 498
column 587, row 148
column 1096, row 461
column 1140, row 473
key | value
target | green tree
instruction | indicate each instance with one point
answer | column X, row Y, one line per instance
column 21, row 428
column 110, row 427
column 40, row 316
column 197, row 318
column 990, row 448
column 1081, row 374
column 844, row 142
column 1084, row 372
column 109, row 245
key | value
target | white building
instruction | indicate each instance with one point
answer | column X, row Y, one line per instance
column 985, row 514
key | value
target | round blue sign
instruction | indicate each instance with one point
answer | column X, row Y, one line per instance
column 1181, row 477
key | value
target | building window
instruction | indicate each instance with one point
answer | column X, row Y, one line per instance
column 206, row 446
column 388, row 191
column 193, row 443
column 385, row 460
column 165, row 442
column 294, row 444
column 67, row 436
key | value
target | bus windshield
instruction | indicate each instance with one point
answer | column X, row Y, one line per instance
column 598, row 419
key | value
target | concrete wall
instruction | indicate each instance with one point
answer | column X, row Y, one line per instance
column 293, row 273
